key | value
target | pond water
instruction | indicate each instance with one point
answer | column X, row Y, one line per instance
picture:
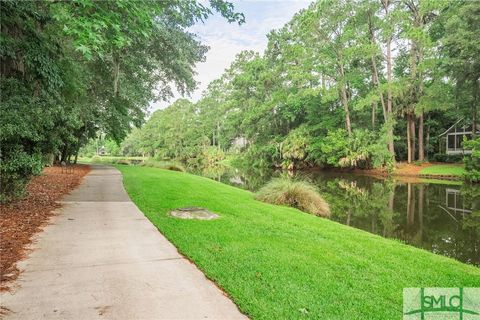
column 440, row 216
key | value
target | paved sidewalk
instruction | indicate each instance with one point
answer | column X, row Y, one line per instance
column 100, row 258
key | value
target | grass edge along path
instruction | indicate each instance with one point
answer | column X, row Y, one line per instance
column 280, row 263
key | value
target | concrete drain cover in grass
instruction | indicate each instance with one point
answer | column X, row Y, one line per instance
column 193, row 213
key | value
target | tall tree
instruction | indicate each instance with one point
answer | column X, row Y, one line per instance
column 388, row 32
column 461, row 51
column 329, row 26
column 314, row 96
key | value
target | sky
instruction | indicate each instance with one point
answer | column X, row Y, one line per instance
column 228, row 39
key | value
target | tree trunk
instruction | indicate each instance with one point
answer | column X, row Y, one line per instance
column 474, row 122
column 427, row 142
column 412, row 136
column 218, row 135
column 64, row 154
column 77, row 149
column 413, row 92
column 50, row 159
column 476, row 89
column 416, row 57
column 409, row 141
column 345, row 108
column 375, row 78
column 391, row 146
column 421, row 145
column 344, row 99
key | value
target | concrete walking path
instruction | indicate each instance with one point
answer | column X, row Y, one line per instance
column 100, row 258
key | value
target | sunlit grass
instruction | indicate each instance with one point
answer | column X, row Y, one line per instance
column 444, row 169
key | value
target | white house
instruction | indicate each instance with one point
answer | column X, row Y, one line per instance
column 454, row 137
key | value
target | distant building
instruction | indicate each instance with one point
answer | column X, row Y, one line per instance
column 101, row 151
column 239, row 143
column 453, row 137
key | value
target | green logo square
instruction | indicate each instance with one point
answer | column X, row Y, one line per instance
column 441, row 303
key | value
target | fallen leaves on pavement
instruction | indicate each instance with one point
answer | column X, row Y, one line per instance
column 22, row 219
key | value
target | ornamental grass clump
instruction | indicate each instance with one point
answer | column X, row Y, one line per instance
column 167, row 165
column 297, row 194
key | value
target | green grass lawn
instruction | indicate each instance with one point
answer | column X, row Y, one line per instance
column 280, row 263
column 444, row 169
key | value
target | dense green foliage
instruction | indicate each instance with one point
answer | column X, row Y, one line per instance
column 100, row 145
column 70, row 69
column 472, row 163
column 355, row 84
column 277, row 262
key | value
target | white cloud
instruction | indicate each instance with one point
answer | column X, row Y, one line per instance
column 226, row 40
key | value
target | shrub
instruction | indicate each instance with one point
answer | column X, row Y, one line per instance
column 259, row 156
column 16, row 169
column 363, row 149
column 448, row 158
column 167, row 165
column 330, row 149
column 472, row 162
column 297, row 194
column 212, row 155
column 294, row 148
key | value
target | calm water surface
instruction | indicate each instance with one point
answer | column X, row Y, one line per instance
column 440, row 216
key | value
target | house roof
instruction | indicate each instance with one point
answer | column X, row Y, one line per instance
column 452, row 126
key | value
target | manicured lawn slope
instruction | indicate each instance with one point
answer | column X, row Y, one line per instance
column 279, row 263
column 440, row 169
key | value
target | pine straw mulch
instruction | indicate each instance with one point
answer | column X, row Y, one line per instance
column 411, row 169
column 402, row 169
column 22, row 219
